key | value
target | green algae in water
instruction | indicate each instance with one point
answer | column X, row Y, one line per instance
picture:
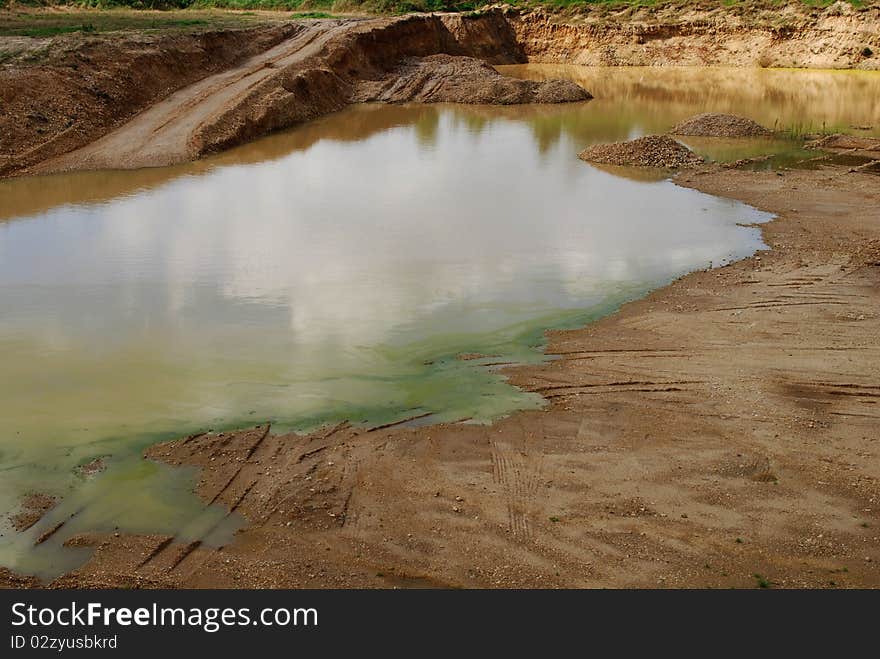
column 140, row 496
column 134, row 495
column 333, row 272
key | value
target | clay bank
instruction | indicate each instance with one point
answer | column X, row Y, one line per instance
column 198, row 93
column 304, row 70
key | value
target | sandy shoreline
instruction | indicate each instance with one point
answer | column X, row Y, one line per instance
column 721, row 432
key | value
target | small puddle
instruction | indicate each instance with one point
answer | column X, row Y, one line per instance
column 335, row 271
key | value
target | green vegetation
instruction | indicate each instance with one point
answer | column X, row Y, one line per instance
column 307, row 8
column 49, row 24
column 327, row 8
column 51, row 30
column 24, row 18
column 302, row 6
column 762, row 582
column 89, row 28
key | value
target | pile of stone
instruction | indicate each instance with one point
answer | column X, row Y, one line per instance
column 649, row 151
column 713, row 124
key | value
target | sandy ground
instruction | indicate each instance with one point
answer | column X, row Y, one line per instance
column 163, row 134
column 722, row 432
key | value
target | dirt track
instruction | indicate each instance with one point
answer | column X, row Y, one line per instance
column 142, row 100
column 321, row 67
column 723, row 427
column 82, row 88
column 164, row 133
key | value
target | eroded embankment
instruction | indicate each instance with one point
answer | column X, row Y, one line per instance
column 744, row 34
column 356, row 60
column 80, row 88
column 302, row 72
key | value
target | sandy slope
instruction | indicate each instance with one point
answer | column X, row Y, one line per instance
column 163, row 134
column 744, row 33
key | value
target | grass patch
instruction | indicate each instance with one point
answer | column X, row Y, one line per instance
column 762, row 582
column 50, row 30
column 185, row 22
column 43, row 31
column 306, row 7
column 807, row 129
column 40, row 24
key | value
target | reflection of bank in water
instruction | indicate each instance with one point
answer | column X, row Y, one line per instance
column 630, row 101
column 639, row 174
column 653, row 99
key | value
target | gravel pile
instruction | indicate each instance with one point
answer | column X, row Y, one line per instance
column 649, row 151
column 712, row 124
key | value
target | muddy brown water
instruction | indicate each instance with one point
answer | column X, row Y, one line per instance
column 335, row 271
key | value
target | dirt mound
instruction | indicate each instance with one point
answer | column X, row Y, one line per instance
column 847, row 143
column 9, row 579
column 455, row 79
column 713, row 124
column 649, row 151
column 33, row 507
